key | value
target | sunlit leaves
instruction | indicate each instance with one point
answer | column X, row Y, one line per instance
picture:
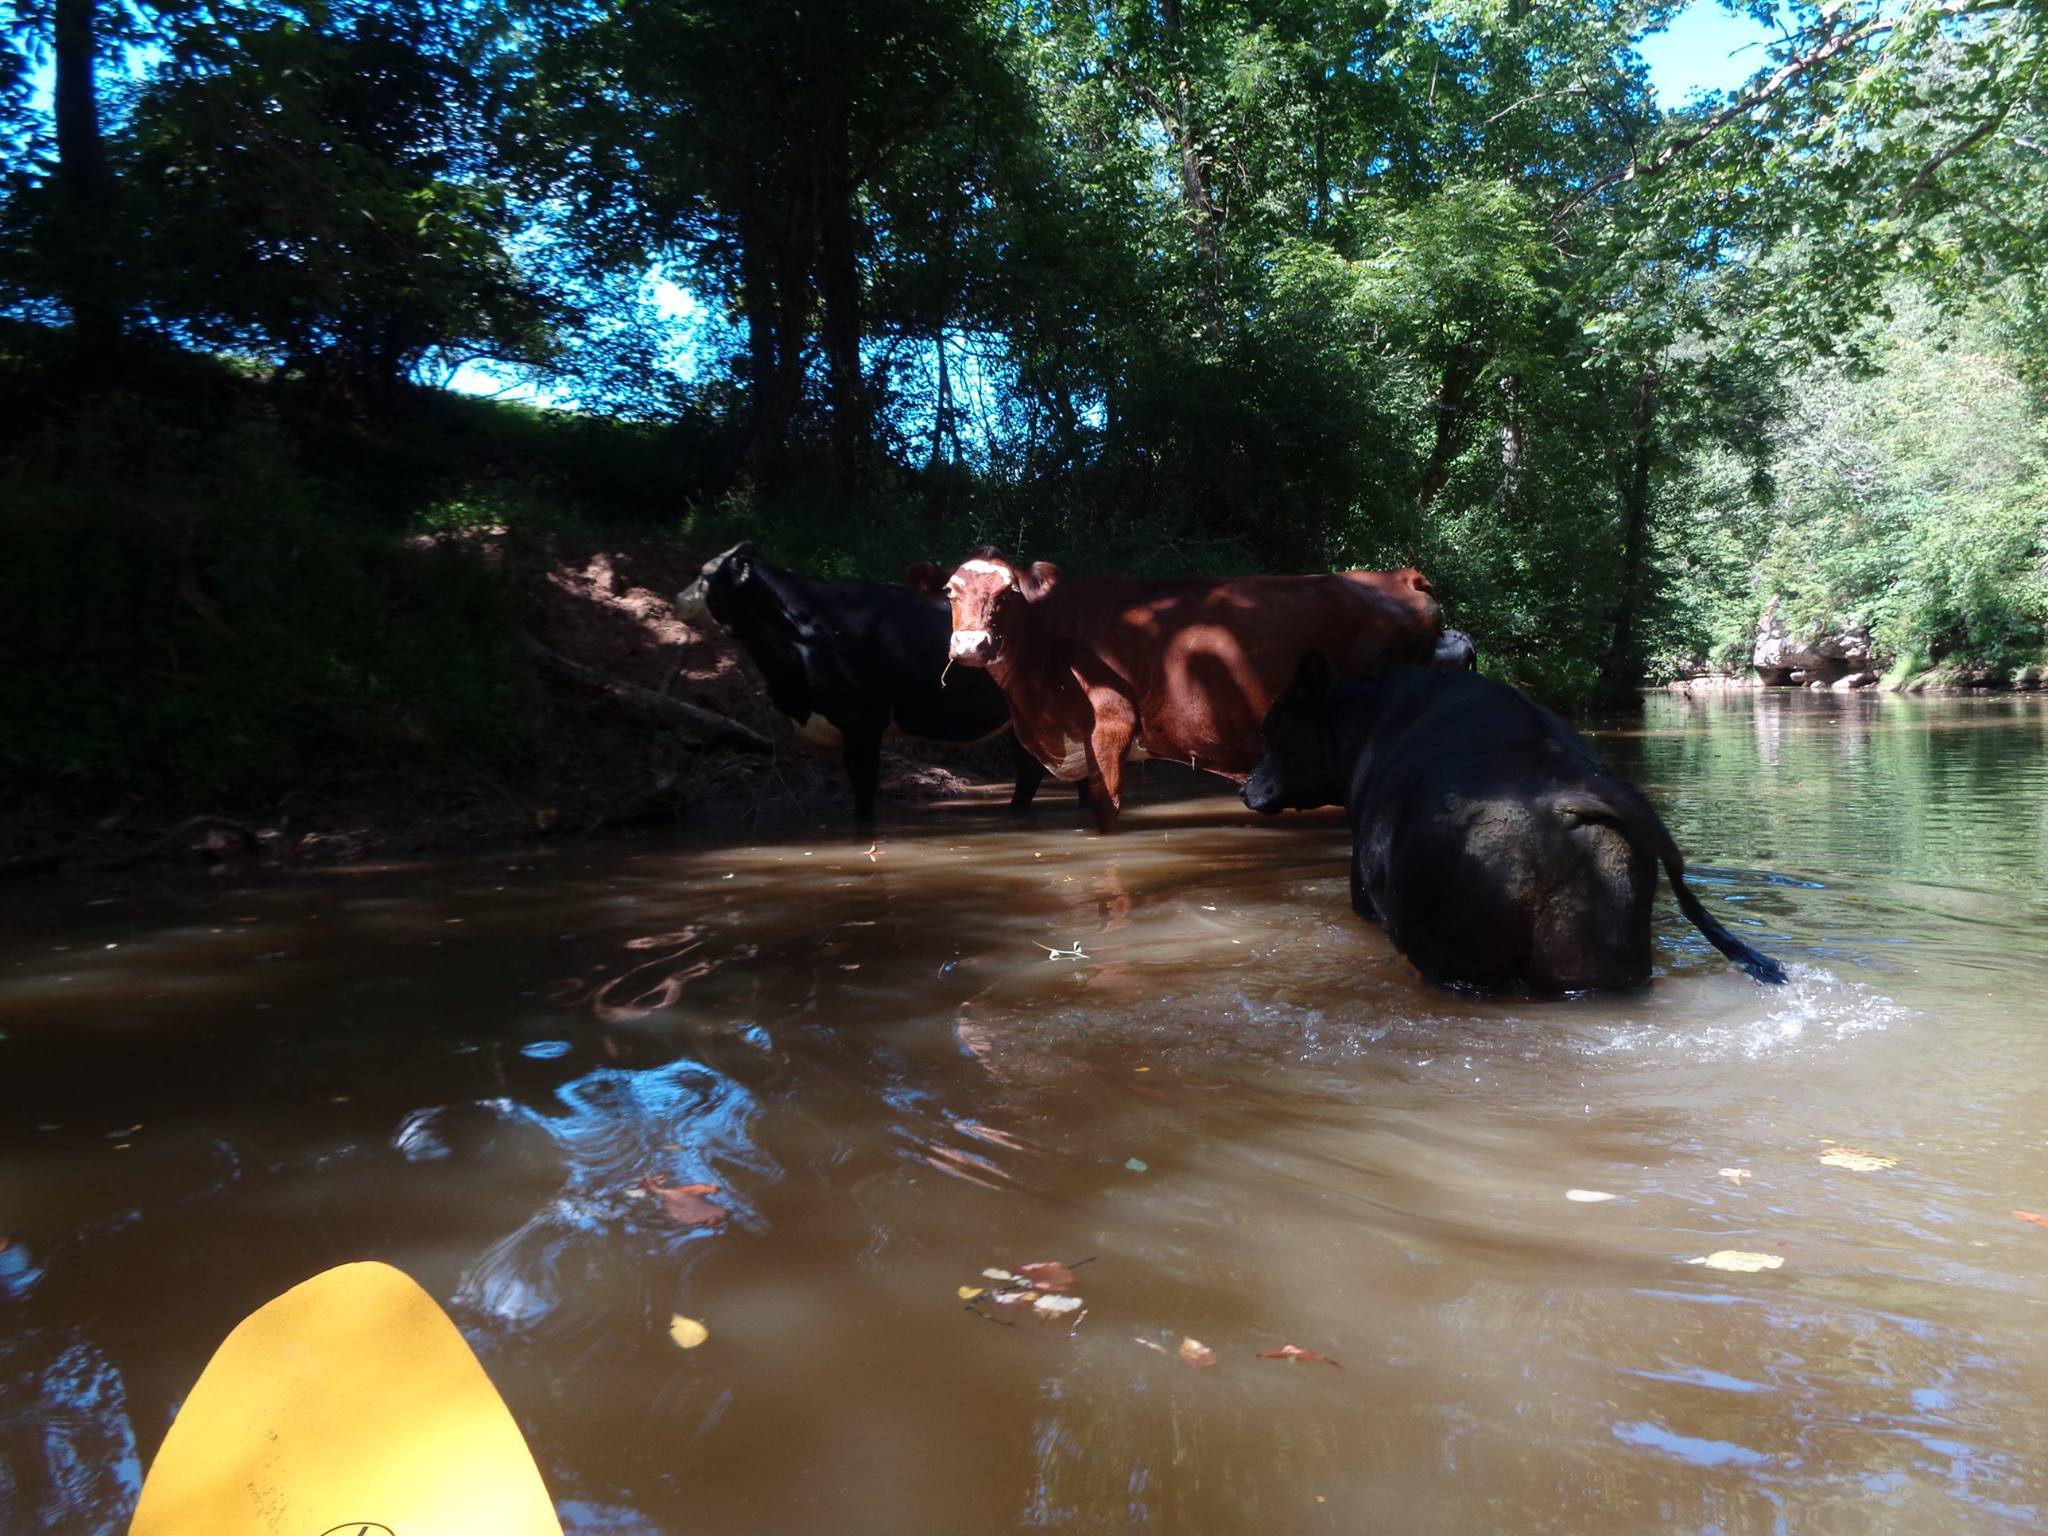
column 1293, row 1354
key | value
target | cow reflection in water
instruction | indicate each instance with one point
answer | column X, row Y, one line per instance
column 1496, row 849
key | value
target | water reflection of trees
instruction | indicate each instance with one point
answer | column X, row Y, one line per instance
column 1941, row 790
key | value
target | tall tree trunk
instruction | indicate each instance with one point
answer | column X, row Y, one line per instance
column 839, row 286
column 776, row 256
column 1453, row 413
column 1195, row 189
column 942, row 406
column 85, row 180
column 1621, row 672
column 1514, row 443
column 767, row 422
column 1319, row 220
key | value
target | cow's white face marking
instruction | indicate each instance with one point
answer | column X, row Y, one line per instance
column 990, row 568
column 693, row 603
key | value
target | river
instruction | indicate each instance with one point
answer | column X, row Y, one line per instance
column 1173, row 1055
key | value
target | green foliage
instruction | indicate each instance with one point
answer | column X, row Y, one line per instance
column 312, row 195
column 1912, row 496
column 1154, row 286
column 189, row 619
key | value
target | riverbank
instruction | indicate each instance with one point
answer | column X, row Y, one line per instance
column 647, row 722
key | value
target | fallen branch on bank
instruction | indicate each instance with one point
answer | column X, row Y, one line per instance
column 658, row 707
column 182, row 834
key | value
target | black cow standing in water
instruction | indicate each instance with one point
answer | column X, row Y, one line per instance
column 1496, row 849
column 851, row 662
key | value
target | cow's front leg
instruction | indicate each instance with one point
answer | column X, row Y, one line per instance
column 1030, row 774
column 862, row 750
column 1115, row 727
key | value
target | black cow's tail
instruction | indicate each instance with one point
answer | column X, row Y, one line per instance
column 1759, row 965
column 1646, row 824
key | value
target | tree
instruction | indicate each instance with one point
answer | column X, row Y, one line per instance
column 315, row 191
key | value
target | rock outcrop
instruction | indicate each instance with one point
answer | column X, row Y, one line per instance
column 1826, row 659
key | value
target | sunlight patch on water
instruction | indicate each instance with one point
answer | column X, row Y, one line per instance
column 1817, row 1009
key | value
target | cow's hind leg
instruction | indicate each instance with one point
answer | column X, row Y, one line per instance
column 1361, row 898
column 1116, row 726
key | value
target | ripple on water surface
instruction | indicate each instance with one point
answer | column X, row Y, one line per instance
column 1175, row 1056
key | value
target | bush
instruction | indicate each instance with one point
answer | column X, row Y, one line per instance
column 193, row 617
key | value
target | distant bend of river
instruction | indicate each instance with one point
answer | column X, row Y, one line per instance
column 1173, row 1055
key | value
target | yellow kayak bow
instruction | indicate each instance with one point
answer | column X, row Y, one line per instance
column 348, row 1405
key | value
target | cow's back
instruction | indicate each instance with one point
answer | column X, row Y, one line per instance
column 1495, row 843
column 1202, row 659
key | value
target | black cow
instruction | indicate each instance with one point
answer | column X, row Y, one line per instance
column 852, row 662
column 1494, row 846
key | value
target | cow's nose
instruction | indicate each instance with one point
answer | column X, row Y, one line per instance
column 1258, row 795
column 970, row 646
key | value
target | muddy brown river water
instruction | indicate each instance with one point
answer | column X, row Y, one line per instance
column 1174, row 1055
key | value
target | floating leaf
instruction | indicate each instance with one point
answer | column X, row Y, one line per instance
column 1056, row 1306
column 1856, row 1160
column 1587, row 1196
column 1195, row 1352
column 1295, row 1355
column 997, row 1274
column 1152, row 1344
column 1047, row 1276
column 1735, row 1176
column 2039, row 1221
column 685, row 1203
column 1136, row 1164
column 1738, row 1262
column 687, row 1332
column 969, row 1292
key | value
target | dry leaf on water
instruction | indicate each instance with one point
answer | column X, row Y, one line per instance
column 685, row 1203
column 1856, row 1160
column 1587, row 1196
column 1151, row 1344
column 1738, row 1262
column 1735, row 1176
column 2039, row 1221
column 969, row 1292
column 687, row 1332
column 1195, row 1352
column 1048, row 1276
column 1056, row 1306
column 1295, row 1355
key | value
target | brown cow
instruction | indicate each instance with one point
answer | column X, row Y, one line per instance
column 1100, row 668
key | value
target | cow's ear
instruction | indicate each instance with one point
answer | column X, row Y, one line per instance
column 926, row 578
column 740, row 563
column 1037, row 579
column 1312, row 677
